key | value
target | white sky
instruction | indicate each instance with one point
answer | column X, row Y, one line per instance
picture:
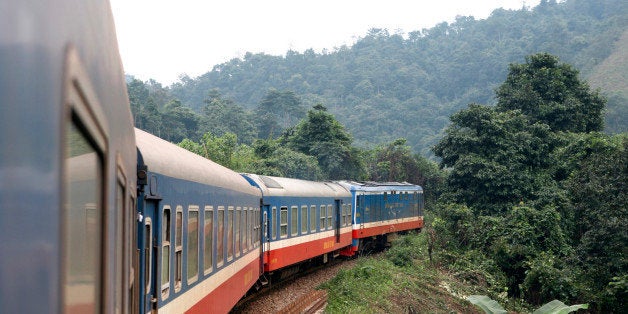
column 162, row 39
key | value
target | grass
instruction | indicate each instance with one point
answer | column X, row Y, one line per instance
column 400, row 281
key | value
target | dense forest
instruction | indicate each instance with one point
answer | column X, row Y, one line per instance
column 387, row 86
column 528, row 199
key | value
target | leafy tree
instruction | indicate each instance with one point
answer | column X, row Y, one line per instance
column 222, row 116
column 551, row 93
column 179, row 122
column 497, row 158
column 322, row 136
column 277, row 111
column 599, row 195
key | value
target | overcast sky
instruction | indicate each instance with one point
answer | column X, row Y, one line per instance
column 162, row 39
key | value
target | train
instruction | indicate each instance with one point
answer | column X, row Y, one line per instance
column 100, row 217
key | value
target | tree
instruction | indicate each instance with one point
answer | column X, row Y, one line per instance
column 222, row 116
column 497, row 158
column 277, row 111
column 322, row 136
column 179, row 122
column 550, row 92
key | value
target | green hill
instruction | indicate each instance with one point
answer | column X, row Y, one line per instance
column 388, row 86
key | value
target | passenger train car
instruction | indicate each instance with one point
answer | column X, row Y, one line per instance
column 199, row 233
column 67, row 162
column 382, row 209
column 305, row 220
column 97, row 217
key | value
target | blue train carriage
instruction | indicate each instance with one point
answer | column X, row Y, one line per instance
column 382, row 209
column 67, row 163
column 305, row 221
column 199, row 233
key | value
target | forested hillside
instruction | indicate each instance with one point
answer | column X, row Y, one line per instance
column 388, row 86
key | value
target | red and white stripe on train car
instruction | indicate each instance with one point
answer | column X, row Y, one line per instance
column 221, row 291
column 387, row 226
column 290, row 251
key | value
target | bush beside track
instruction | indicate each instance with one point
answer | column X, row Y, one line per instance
column 403, row 280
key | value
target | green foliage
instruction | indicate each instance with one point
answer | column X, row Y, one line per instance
column 551, row 93
column 278, row 111
column 322, row 136
column 491, row 306
column 487, row 304
column 390, row 85
column 222, row 116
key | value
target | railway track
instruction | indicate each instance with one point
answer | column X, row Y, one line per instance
column 297, row 290
column 309, row 303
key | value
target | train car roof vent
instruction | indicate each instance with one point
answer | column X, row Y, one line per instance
column 270, row 182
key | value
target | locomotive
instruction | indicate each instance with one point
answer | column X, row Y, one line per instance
column 99, row 217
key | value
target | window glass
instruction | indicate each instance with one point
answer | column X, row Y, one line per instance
column 82, row 220
column 284, row 221
column 294, row 220
column 313, row 218
column 165, row 250
column 236, row 231
column 329, row 216
column 192, row 252
column 323, row 215
column 273, row 224
column 178, row 250
column 303, row 219
column 220, row 244
column 243, row 230
column 208, row 233
column 230, row 233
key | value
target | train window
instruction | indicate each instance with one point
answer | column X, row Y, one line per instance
column 208, row 233
column 82, row 220
column 132, row 258
column 329, row 216
column 349, row 214
column 284, row 221
column 178, row 250
column 236, row 226
column 243, row 229
column 343, row 213
column 313, row 218
column 165, row 252
column 257, row 226
column 294, row 220
column 148, row 244
column 120, row 243
column 220, row 237
column 323, row 216
column 230, row 233
column 192, row 251
column 303, row 219
column 273, row 224
column 248, row 232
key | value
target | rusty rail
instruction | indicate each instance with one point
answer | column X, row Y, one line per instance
column 307, row 304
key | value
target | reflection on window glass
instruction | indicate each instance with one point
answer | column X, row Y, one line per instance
column 208, row 233
column 192, row 244
column 82, row 222
column 220, row 244
column 294, row 212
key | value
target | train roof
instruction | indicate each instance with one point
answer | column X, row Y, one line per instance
column 371, row 186
column 279, row 186
column 165, row 158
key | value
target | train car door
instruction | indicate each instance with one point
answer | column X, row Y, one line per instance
column 148, row 256
column 266, row 236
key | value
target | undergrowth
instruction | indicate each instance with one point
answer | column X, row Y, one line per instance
column 403, row 280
